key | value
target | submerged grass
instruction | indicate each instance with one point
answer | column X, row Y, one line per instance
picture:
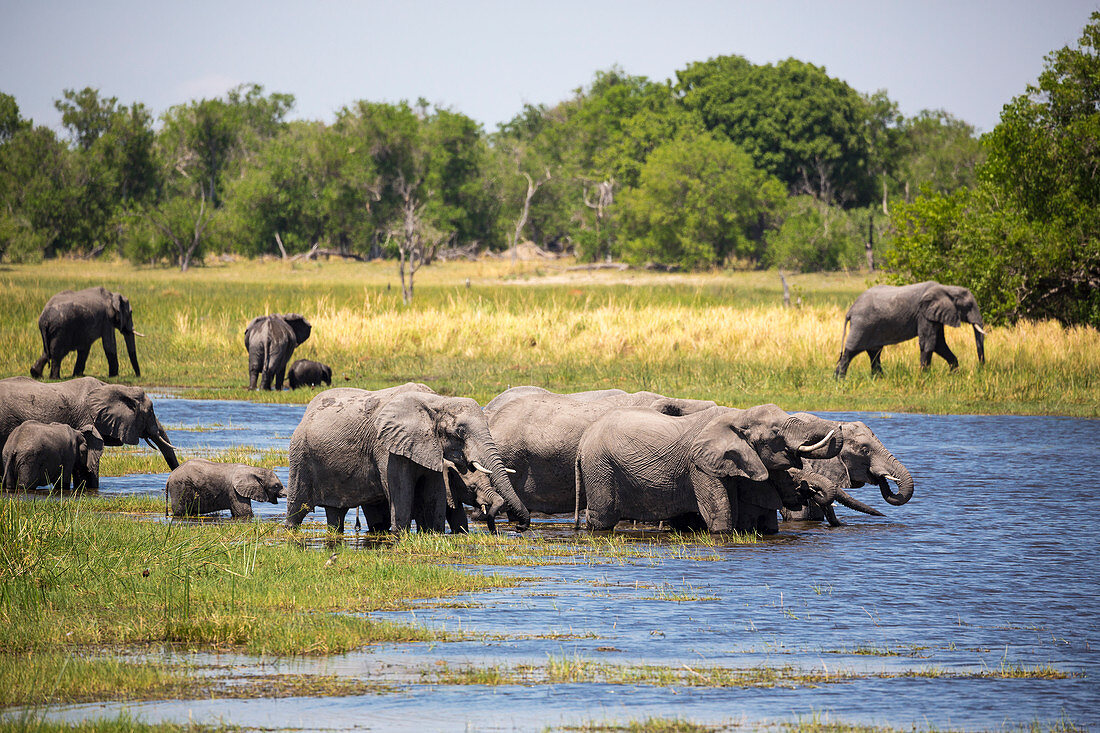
column 30, row 722
column 722, row 336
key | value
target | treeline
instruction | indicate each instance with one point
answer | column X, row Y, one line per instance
column 729, row 164
column 732, row 163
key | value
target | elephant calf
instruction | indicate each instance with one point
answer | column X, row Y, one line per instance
column 200, row 486
column 306, row 373
column 48, row 454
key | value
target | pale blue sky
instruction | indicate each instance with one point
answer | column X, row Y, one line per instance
column 486, row 58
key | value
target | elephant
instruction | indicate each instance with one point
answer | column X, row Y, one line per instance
column 888, row 314
column 200, row 486
column 388, row 451
column 270, row 340
column 513, row 392
column 862, row 460
column 306, row 373
column 74, row 320
column 538, row 434
column 636, row 463
column 120, row 413
column 52, row 454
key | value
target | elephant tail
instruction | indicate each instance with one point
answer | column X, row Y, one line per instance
column 579, row 487
column 844, row 332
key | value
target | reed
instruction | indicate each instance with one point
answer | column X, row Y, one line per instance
column 722, row 336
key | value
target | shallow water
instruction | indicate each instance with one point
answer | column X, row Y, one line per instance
column 992, row 564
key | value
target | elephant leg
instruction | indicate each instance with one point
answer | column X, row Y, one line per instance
column 942, row 349
column 240, row 508
column 430, row 504
column 400, row 488
column 279, row 380
column 714, row 503
column 55, row 363
column 81, row 360
column 598, row 482
column 926, row 338
column 110, row 350
column 377, row 517
column 36, row 368
column 842, row 363
column 335, row 518
column 876, row 361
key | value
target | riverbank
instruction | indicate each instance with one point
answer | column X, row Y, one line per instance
column 476, row 328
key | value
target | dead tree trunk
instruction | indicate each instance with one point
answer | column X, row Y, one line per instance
column 605, row 196
column 532, row 189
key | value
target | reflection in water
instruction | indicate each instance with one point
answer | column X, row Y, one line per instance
column 992, row 564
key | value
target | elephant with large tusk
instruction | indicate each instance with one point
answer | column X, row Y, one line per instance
column 121, row 414
column 397, row 453
column 862, row 460
column 888, row 314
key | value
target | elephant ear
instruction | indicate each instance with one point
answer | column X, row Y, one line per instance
column 299, row 325
column 720, row 451
column 406, row 426
column 250, row 329
column 92, row 438
column 248, row 482
column 938, row 306
column 116, row 413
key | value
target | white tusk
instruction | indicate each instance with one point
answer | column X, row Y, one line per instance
column 480, row 467
column 978, row 328
column 895, row 479
column 815, row 446
column 509, row 470
column 484, row 509
column 138, row 333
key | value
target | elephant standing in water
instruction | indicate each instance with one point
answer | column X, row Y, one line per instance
column 39, row 454
column 121, row 414
column 887, row 314
column 74, row 320
column 640, row 464
column 538, row 433
column 270, row 340
column 200, row 486
column 394, row 452
column 862, row 460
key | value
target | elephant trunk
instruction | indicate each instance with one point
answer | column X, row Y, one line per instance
column 855, row 504
column 160, row 440
column 131, row 351
column 979, row 341
column 904, row 479
column 806, row 439
column 498, row 479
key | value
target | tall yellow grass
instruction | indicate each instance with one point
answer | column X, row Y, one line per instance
column 724, row 336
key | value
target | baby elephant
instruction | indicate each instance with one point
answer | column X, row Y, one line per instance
column 200, row 486
column 41, row 454
column 306, row 373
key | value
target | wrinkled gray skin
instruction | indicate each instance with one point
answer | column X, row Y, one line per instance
column 306, row 373
column 74, row 320
column 386, row 451
column 200, row 486
column 888, row 314
column 52, row 454
column 538, row 433
column 121, row 414
column 862, row 460
column 526, row 390
column 627, row 459
column 270, row 340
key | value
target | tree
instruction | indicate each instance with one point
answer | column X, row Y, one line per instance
column 814, row 236
column 798, row 123
column 700, row 202
column 85, row 115
column 939, row 151
column 11, row 121
column 1026, row 239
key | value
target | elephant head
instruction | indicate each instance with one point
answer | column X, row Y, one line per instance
column 782, row 440
column 122, row 318
column 867, row 461
column 720, row 450
column 90, row 449
column 953, row 305
column 257, row 484
column 430, row 429
column 472, row 488
column 299, row 325
column 124, row 415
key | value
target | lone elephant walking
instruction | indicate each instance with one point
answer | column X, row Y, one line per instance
column 74, row 320
column 889, row 314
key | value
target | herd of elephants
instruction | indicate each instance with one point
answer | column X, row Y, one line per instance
column 406, row 454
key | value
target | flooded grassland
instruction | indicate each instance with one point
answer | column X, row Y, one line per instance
column 972, row 607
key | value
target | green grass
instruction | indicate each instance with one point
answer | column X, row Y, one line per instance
column 127, row 460
column 30, row 723
column 722, row 336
